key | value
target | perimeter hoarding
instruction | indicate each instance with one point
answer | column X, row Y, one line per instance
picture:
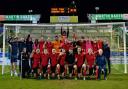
column 19, row 17
column 108, row 16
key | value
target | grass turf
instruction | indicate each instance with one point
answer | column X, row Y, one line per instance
column 115, row 81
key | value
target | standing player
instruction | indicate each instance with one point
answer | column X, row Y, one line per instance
column 64, row 34
column 41, row 44
column 56, row 44
column 49, row 45
column 14, row 54
column 80, row 60
column 106, row 52
column 61, row 64
column 100, row 43
column 44, row 62
column 83, row 44
column 29, row 45
column 36, row 44
column 53, row 60
column 36, row 62
column 95, row 47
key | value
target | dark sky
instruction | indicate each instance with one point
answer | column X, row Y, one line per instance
column 43, row 7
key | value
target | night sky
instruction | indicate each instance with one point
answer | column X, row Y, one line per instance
column 43, row 8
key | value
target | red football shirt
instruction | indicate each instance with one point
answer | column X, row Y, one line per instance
column 100, row 44
column 62, row 59
column 44, row 59
column 95, row 47
column 41, row 44
column 49, row 47
column 83, row 45
column 66, row 46
column 53, row 58
column 80, row 59
column 90, row 59
column 36, row 60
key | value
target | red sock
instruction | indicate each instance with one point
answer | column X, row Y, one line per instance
column 58, row 70
column 84, row 72
column 48, row 70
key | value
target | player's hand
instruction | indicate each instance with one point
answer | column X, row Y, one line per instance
column 33, row 51
column 60, row 53
column 76, row 60
column 49, row 66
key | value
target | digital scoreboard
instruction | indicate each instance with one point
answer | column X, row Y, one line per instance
column 63, row 10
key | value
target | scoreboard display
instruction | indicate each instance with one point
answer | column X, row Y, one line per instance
column 63, row 10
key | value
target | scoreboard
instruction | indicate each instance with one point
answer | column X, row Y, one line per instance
column 63, row 10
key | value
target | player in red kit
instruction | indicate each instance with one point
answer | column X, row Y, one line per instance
column 61, row 63
column 41, row 44
column 44, row 62
column 95, row 47
column 49, row 46
column 90, row 61
column 53, row 59
column 83, row 44
column 36, row 61
column 100, row 44
column 80, row 60
column 66, row 45
column 36, row 44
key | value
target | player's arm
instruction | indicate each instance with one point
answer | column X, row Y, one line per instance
column 67, row 32
column 76, row 59
column 61, row 31
column 44, row 45
column 58, row 58
column 10, row 40
column 31, row 55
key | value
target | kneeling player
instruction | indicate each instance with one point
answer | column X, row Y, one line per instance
column 36, row 62
column 61, row 62
column 70, row 59
column 53, row 57
column 44, row 62
column 90, row 60
column 101, row 64
column 79, row 59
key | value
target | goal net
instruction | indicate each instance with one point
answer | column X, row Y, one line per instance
column 112, row 32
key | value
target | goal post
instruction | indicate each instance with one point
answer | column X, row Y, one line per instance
column 115, row 33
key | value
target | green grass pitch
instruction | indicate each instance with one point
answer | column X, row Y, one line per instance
column 114, row 81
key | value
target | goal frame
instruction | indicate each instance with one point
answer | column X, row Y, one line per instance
column 52, row 25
